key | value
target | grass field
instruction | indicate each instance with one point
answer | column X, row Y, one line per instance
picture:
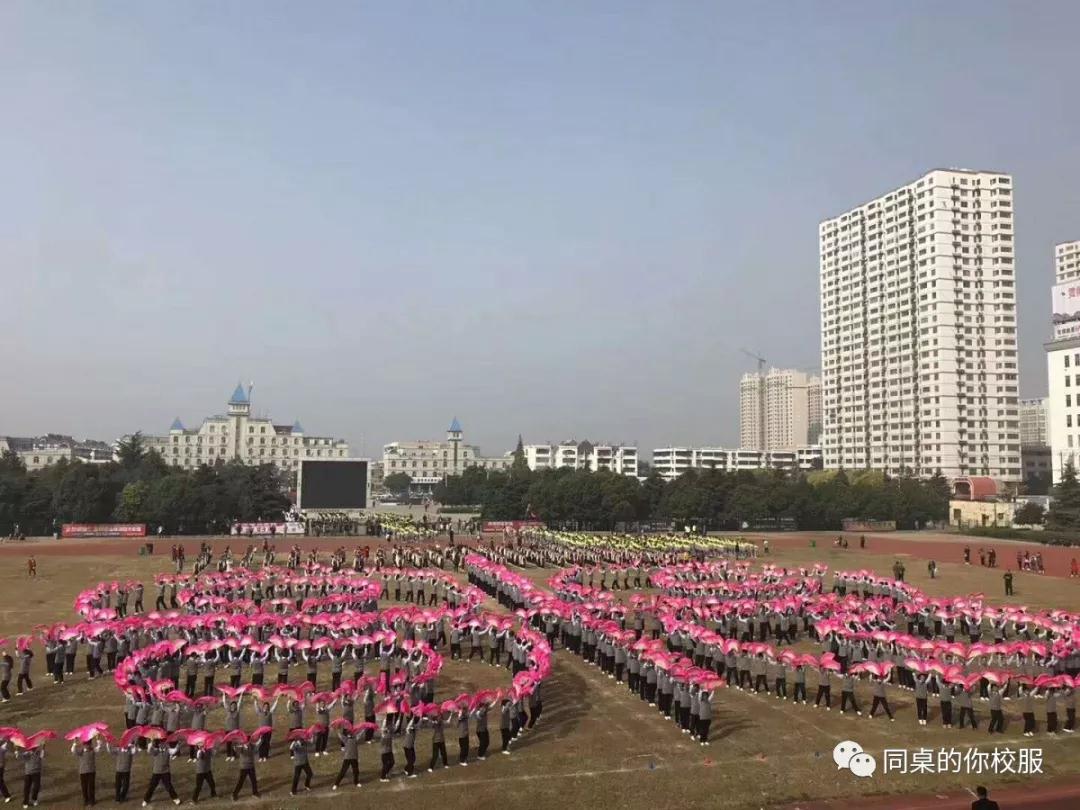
column 596, row 745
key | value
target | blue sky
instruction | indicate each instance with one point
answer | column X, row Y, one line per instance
column 559, row 219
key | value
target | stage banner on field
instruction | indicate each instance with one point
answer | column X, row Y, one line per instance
column 288, row 527
column 103, row 530
column 515, row 525
column 857, row 525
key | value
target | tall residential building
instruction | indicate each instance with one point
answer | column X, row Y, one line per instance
column 618, row 458
column 1033, row 422
column 428, row 462
column 778, row 410
column 1063, row 361
column 918, row 330
column 1067, row 262
column 237, row 435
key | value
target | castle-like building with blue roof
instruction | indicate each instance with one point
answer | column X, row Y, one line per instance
column 428, row 461
column 238, row 435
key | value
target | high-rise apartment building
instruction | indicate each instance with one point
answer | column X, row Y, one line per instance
column 918, row 330
column 778, row 410
column 1033, row 422
column 1063, row 361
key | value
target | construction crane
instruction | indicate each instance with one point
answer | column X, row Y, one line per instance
column 761, row 362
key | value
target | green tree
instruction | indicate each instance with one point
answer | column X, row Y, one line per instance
column 1029, row 514
column 1065, row 510
column 397, row 482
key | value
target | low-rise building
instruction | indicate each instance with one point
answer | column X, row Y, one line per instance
column 585, row 455
column 671, row 462
column 41, row 451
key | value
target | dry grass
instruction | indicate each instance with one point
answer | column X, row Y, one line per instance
column 596, row 746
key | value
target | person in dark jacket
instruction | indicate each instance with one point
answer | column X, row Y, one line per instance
column 983, row 802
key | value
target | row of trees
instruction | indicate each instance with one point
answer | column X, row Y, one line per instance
column 602, row 500
column 139, row 487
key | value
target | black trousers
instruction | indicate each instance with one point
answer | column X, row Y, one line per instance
column 824, row 692
column 159, row 779
column 997, row 721
column 4, row 792
column 31, row 787
column 246, row 773
column 410, row 761
column 204, row 779
column 703, row 729
column 946, row 713
column 349, row 765
column 506, row 737
column 800, row 692
column 122, row 784
column 88, row 785
column 535, row 714
column 69, row 663
column 483, row 739
column 463, row 749
column 387, row 765
column 438, row 751
column 301, row 769
column 883, row 703
column 264, row 746
column 845, row 699
column 208, row 686
column 1029, row 722
column 967, row 711
column 23, row 679
column 920, row 708
column 5, row 693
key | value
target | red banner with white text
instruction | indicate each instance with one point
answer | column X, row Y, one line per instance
column 103, row 530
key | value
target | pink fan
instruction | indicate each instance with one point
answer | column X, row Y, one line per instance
column 35, row 740
column 259, row 732
column 85, row 734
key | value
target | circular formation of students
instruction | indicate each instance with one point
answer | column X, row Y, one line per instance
column 371, row 675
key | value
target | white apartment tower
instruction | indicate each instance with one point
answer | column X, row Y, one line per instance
column 778, row 410
column 918, row 330
column 1063, row 361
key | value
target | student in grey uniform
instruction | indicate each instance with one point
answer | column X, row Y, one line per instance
column 298, row 750
column 86, row 753
column 824, row 689
column 1051, row 711
column 921, row 697
column 31, row 759
column 505, row 724
column 438, row 742
column 463, row 737
column 799, row 680
column 204, row 772
column 997, row 716
column 25, row 657
column 122, row 780
column 1027, row 704
column 350, row 758
column 963, row 703
column 483, row 738
column 6, row 664
column 4, row 792
column 409, row 746
column 160, row 771
column 878, row 691
column 704, row 716
column 386, row 750
column 246, row 753
column 847, row 693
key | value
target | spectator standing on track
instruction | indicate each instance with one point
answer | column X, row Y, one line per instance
column 1008, row 577
column 983, row 802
